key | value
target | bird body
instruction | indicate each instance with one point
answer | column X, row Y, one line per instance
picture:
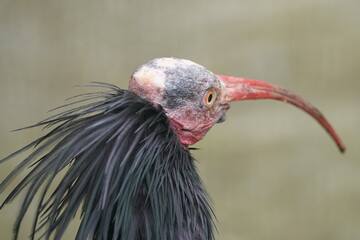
column 125, row 164
column 126, row 158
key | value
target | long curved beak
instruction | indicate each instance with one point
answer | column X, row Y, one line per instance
column 248, row 89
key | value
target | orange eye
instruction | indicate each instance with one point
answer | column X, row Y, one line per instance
column 210, row 97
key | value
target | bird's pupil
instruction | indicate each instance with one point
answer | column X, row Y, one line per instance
column 210, row 97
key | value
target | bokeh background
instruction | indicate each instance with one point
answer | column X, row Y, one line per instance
column 272, row 172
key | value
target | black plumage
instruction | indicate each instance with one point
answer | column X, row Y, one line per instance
column 123, row 166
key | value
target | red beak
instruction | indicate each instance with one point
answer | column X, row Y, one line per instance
column 249, row 89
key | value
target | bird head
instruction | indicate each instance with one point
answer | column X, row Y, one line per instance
column 194, row 98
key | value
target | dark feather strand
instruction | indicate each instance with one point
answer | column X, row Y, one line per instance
column 122, row 164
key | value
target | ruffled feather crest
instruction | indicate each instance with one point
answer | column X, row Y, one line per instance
column 123, row 167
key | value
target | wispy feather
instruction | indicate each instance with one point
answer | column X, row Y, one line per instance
column 124, row 168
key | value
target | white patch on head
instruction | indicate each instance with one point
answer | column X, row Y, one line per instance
column 149, row 77
column 148, row 83
column 173, row 62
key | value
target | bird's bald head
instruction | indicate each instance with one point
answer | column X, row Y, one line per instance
column 188, row 92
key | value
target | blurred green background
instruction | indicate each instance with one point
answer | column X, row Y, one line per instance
column 272, row 172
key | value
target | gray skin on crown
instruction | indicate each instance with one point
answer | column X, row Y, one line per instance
column 185, row 82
